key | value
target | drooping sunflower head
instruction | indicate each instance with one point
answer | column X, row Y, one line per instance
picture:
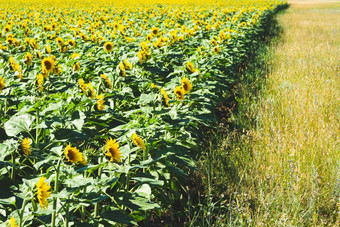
column 113, row 151
column 108, row 46
column 138, row 141
column 25, row 146
column 106, row 80
column 127, row 64
column 2, row 83
column 73, row 155
column 47, row 65
column 186, row 85
column 179, row 92
column 100, row 102
column 155, row 31
column 43, row 192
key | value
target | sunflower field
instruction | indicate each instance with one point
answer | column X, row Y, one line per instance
column 102, row 102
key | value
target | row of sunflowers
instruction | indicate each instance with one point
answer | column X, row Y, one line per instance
column 102, row 102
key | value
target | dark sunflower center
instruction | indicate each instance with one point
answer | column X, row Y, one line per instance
column 185, row 86
column 71, row 155
column 154, row 32
column 48, row 65
column 108, row 46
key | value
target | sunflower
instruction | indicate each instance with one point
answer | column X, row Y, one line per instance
column 213, row 42
column 43, row 192
column 138, row 141
column 166, row 97
column 2, row 83
column 28, row 58
column 107, row 81
column 190, row 67
column 12, row 222
column 60, row 41
column 73, row 155
column 100, row 102
column 144, row 46
column 216, row 49
column 48, row 49
column 186, row 85
column 7, row 28
column 122, row 69
column 112, row 148
column 76, row 66
column 82, row 85
column 179, row 93
column 40, row 81
column 71, row 42
column 25, row 146
column 155, row 31
column 127, row 64
column 75, row 55
column 47, row 65
column 108, row 46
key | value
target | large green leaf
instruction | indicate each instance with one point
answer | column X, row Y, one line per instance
column 17, row 124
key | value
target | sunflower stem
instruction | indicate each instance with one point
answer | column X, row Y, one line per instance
column 96, row 207
column 67, row 214
column 12, row 176
column 55, row 191
column 36, row 129
column 128, row 174
column 21, row 223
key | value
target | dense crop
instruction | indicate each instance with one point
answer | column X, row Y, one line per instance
column 101, row 102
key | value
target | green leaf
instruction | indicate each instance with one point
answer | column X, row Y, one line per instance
column 17, row 124
column 8, row 201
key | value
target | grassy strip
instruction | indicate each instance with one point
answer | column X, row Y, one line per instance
column 277, row 162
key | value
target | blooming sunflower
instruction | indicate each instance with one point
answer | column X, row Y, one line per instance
column 155, row 31
column 2, row 83
column 40, row 81
column 82, row 85
column 108, row 46
column 113, row 151
column 25, row 146
column 186, row 85
column 47, row 65
column 166, row 97
column 127, row 65
column 216, row 49
column 43, row 192
column 122, row 69
column 179, row 93
column 48, row 49
column 71, row 42
column 28, row 58
column 60, row 41
column 138, row 141
column 73, row 155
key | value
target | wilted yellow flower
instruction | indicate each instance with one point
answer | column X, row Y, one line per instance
column 43, row 192
column 73, row 155
column 90, row 87
column 179, row 93
column 138, row 141
column 113, row 151
column 25, row 146
column 186, row 85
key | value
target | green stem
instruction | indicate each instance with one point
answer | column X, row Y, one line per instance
column 21, row 223
column 12, row 176
column 128, row 175
column 96, row 207
column 36, row 129
column 67, row 214
column 55, row 191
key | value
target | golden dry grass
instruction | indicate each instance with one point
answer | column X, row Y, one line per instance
column 297, row 138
